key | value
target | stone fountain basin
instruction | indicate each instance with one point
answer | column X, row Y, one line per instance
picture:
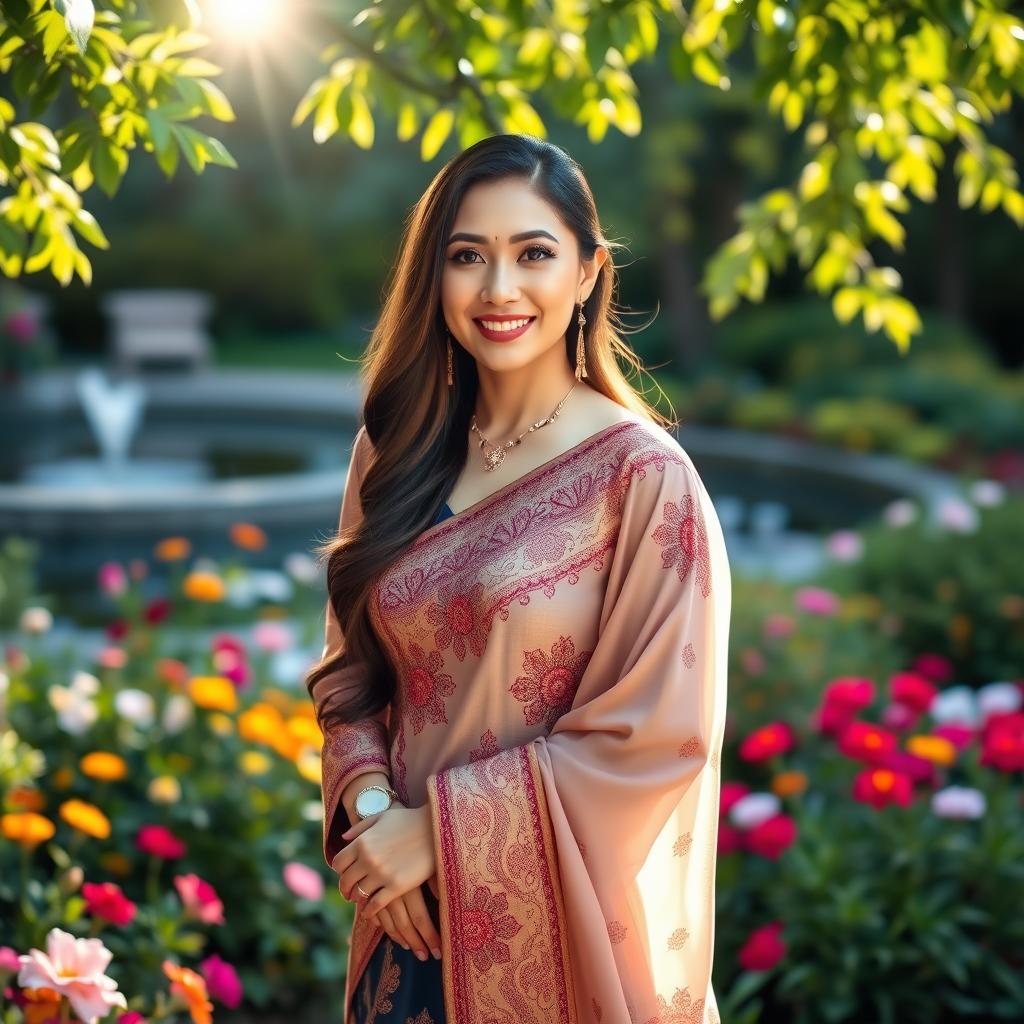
column 284, row 440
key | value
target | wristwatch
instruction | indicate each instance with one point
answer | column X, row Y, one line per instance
column 373, row 800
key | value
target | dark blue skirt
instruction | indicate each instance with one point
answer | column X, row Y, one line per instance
column 397, row 987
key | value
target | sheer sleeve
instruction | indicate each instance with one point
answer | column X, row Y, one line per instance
column 586, row 857
column 362, row 746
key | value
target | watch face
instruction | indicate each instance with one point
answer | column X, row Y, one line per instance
column 372, row 802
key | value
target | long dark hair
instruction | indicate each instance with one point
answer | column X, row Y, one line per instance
column 416, row 423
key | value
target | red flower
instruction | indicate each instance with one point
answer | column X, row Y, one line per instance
column 768, row 741
column 880, row 786
column 772, row 837
column 852, row 693
column 912, row 689
column 730, row 838
column 548, row 689
column 866, row 742
column 933, row 666
column 117, row 629
column 958, row 734
column 156, row 611
column 160, row 842
column 482, row 923
column 918, row 769
column 1002, row 743
column 106, row 900
column 731, row 793
column 764, row 949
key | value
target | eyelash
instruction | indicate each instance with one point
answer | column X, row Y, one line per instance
column 455, row 258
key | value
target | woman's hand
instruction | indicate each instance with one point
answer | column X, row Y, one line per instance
column 388, row 855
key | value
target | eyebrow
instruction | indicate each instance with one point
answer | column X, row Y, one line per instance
column 465, row 236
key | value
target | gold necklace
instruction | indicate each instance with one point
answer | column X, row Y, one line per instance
column 495, row 457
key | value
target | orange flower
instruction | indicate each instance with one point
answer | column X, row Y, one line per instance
column 247, row 536
column 789, row 783
column 25, row 798
column 86, row 818
column 172, row 671
column 104, row 766
column 278, row 699
column 215, row 693
column 203, row 586
column 260, row 724
column 27, row 828
column 306, row 731
column 42, row 1005
column 287, row 744
column 192, row 988
column 63, row 777
column 172, row 549
column 936, row 749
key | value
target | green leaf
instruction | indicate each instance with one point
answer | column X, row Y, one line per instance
column 217, row 104
column 88, row 227
column 109, row 162
column 437, row 130
column 361, row 124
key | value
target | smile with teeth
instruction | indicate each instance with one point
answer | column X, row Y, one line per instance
column 504, row 325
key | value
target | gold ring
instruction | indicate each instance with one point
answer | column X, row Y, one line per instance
column 360, row 888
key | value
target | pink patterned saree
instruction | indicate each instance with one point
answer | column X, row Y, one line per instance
column 561, row 653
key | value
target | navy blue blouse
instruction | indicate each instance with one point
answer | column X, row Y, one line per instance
column 443, row 514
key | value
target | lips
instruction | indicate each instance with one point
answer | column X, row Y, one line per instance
column 503, row 335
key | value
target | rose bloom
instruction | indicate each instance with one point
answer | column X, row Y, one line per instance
column 160, row 842
column 106, row 900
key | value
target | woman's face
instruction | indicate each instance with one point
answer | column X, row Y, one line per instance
column 494, row 271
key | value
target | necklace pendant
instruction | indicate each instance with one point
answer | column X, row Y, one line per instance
column 494, row 458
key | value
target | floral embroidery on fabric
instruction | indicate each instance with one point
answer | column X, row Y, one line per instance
column 616, row 931
column 483, row 922
column 682, row 1011
column 548, row 691
column 689, row 656
column 421, row 1018
column 488, row 747
column 458, row 626
column 691, row 748
column 683, row 537
column 682, row 845
column 678, row 938
column 426, row 686
column 391, row 975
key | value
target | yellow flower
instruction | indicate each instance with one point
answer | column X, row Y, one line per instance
column 287, row 744
column 277, row 699
column 260, row 723
column 172, row 549
column 27, row 828
column 164, row 789
column 247, row 536
column 255, row 763
column 215, row 693
column 306, row 731
column 789, row 783
column 309, row 765
column 116, row 863
column 221, row 724
column 936, row 749
column 203, row 586
column 104, row 766
column 86, row 818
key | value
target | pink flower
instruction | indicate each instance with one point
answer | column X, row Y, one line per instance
column 764, row 949
column 9, row 960
column 106, row 900
column 112, row 579
column 112, row 657
column 199, row 899
column 752, row 661
column 912, row 689
column 959, row 735
column 74, row 968
column 132, row 1017
column 957, row 515
column 21, row 326
column 732, row 793
column 772, row 837
column 230, row 659
column 817, row 601
column 845, row 545
column 898, row 716
column 934, row 666
column 272, row 636
column 222, row 981
column 303, row 881
column 778, row 626
column 160, row 842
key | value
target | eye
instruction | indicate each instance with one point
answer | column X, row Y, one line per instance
column 548, row 254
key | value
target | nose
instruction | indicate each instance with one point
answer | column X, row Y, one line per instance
column 500, row 286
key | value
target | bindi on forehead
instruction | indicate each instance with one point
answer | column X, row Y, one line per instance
column 522, row 236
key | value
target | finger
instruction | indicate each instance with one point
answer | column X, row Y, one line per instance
column 356, row 875
column 422, row 921
column 389, row 925
column 400, row 915
column 380, row 899
column 432, row 882
column 360, row 826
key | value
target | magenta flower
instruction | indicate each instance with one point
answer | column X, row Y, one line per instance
column 222, row 981
column 131, row 1017
column 817, row 601
column 764, row 949
column 112, row 579
column 199, row 899
column 106, row 900
column 303, row 881
column 74, row 968
column 9, row 960
column 160, row 842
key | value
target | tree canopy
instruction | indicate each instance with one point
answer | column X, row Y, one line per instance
column 882, row 92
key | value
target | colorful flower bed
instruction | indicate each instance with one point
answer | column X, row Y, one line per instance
column 160, row 829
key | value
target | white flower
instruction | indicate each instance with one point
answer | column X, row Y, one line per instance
column 999, row 698
column 845, row 545
column 957, row 515
column 178, row 713
column 901, row 512
column 987, row 493
column 75, row 712
column 272, row 585
column 137, row 706
column 956, row 704
column 36, row 620
column 753, row 809
column 85, row 684
column 958, row 802
column 301, row 567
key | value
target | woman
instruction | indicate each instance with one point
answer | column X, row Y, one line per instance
column 527, row 624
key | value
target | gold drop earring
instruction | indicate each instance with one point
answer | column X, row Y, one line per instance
column 581, row 356
column 451, row 377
